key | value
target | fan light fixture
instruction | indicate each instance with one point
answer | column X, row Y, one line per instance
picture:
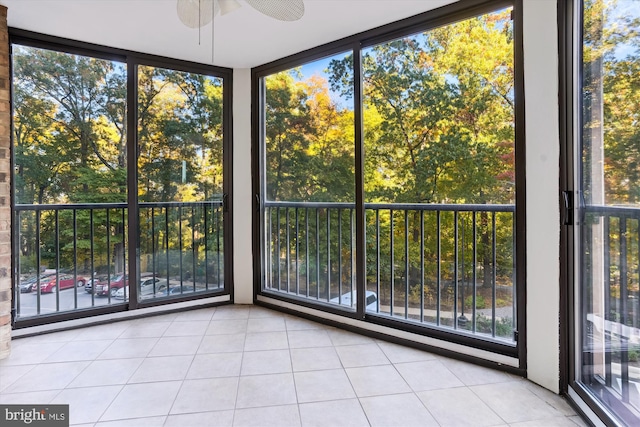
column 198, row 13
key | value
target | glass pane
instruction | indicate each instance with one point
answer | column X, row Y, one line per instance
column 180, row 189
column 439, row 175
column 610, row 178
column 70, row 177
column 310, row 182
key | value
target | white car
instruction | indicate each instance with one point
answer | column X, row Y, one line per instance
column 346, row 299
column 147, row 290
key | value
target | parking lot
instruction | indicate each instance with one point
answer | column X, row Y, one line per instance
column 69, row 299
column 77, row 299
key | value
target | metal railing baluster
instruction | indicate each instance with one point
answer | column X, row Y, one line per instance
column 339, row 256
column 288, row 249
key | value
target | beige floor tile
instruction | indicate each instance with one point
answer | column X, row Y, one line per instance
column 167, row 317
column 427, row 375
column 272, row 416
column 315, row 386
column 578, row 421
column 230, row 312
column 86, row 405
column 193, row 328
column 266, row 362
column 134, row 422
column 252, row 366
column 546, row 422
column 50, row 376
column 266, row 390
column 445, row 406
column 514, row 402
column 266, row 324
column 222, row 343
column 340, row 337
column 30, row 353
column 62, row 336
column 106, row 372
column 313, row 359
column 226, row 327
column 377, row 381
column 212, row 394
column 353, row 356
column 400, row 354
column 79, row 350
column 109, row 331
column 309, row 339
column 558, row 402
column 31, row 397
column 299, row 324
column 256, row 312
column 471, row 374
column 195, row 315
column 11, row 374
column 165, row 368
column 266, row 341
column 175, row 346
column 215, row 365
column 123, row 348
column 401, row 410
column 343, row 413
column 149, row 329
column 201, row 419
column 143, row 400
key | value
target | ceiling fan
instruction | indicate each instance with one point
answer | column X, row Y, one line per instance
column 198, row 13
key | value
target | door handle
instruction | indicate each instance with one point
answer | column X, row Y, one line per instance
column 567, row 209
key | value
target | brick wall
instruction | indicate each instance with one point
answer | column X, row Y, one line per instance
column 5, row 190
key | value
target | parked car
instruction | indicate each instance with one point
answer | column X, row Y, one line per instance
column 64, row 281
column 111, row 286
column 147, row 290
column 372, row 300
column 29, row 285
column 88, row 287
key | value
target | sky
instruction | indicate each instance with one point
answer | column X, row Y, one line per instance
column 319, row 68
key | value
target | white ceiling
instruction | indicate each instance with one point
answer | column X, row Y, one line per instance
column 243, row 39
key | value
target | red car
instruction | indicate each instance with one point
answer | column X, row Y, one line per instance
column 65, row 281
column 116, row 281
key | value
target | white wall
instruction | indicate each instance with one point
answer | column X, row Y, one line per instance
column 543, row 220
column 242, row 199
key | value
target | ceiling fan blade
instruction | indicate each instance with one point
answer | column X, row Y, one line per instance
column 283, row 10
column 196, row 13
column 227, row 6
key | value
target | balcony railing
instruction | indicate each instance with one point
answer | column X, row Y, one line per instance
column 448, row 266
column 74, row 256
column 611, row 269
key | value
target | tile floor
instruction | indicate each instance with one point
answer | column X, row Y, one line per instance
column 250, row 366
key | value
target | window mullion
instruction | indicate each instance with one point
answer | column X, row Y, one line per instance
column 132, row 179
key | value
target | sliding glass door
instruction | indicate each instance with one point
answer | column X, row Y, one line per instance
column 607, row 238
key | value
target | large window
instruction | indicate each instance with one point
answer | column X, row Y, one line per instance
column 82, row 244
column 309, row 164
column 180, row 181
column 439, row 124
column 388, row 181
column 608, row 182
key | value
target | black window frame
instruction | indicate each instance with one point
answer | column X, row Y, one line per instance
column 438, row 17
column 132, row 60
